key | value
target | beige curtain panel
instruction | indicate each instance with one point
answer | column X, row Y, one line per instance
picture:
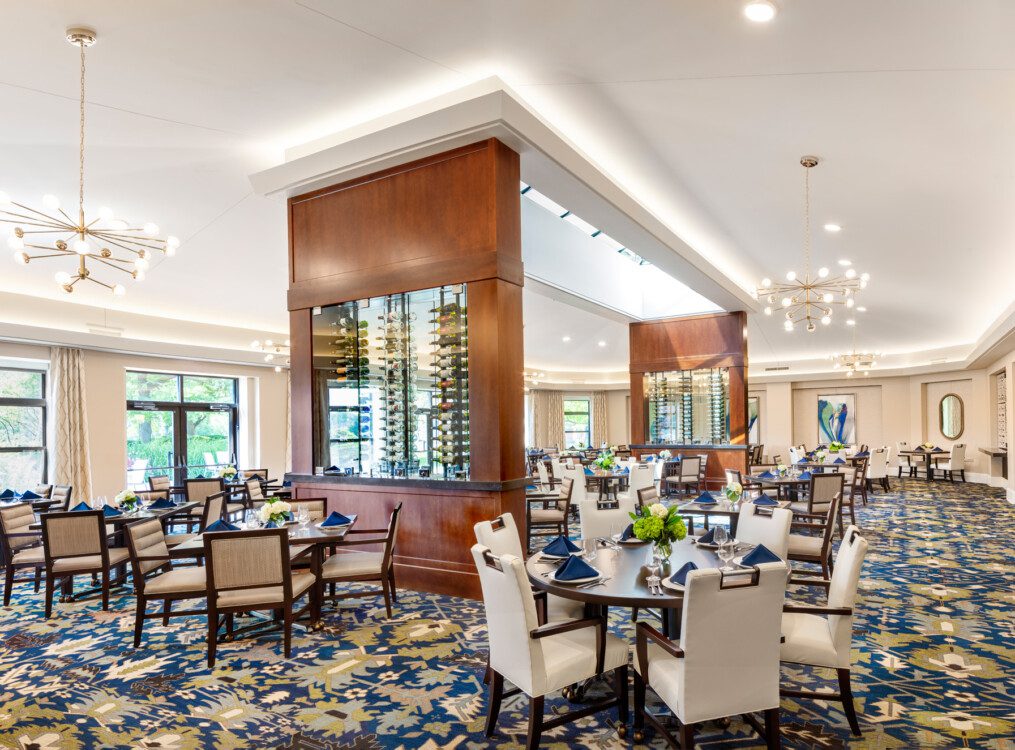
column 71, row 461
column 555, row 418
column 599, row 425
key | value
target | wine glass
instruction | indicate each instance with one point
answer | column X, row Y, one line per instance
column 726, row 551
column 99, row 502
column 719, row 536
column 616, row 531
column 303, row 517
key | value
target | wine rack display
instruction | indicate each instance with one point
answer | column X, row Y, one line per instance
column 687, row 407
column 450, row 432
column 405, row 387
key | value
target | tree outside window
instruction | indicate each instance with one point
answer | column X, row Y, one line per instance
column 577, row 423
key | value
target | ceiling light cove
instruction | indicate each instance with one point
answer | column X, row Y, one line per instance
column 833, row 228
column 760, row 11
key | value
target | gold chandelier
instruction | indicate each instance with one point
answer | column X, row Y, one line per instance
column 103, row 240
column 272, row 349
column 809, row 299
column 853, row 361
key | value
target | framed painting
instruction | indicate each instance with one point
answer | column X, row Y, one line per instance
column 753, row 423
column 837, row 418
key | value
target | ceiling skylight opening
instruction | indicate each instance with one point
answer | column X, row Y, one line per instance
column 579, row 222
column 608, row 241
column 541, row 200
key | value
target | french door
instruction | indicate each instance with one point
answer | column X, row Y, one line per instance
column 180, row 440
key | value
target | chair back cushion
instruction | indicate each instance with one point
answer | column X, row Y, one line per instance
column 823, row 488
column 254, row 490
column 73, row 534
column 62, row 494
column 689, row 468
column 510, row 616
column 958, row 458
column 150, row 496
column 542, row 473
column 214, row 507
column 500, row 536
column 843, row 588
column 43, row 490
column 146, row 539
column 730, row 637
column 159, row 482
column 314, row 506
column 647, row 496
column 762, row 526
column 15, row 519
column 246, row 559
column 641, row 477
column 199, row 489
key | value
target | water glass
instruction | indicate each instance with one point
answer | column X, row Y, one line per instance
column 589, row 548
column 719, row 536
column 250, row 519
column 726, row 552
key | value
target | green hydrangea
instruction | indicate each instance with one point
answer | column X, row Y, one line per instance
column 648, row 528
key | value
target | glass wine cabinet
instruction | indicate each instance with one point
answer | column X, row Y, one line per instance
column 391, row 385
column 688, row 407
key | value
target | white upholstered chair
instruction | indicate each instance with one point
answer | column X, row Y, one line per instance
column 821, row 636
column 642, row 477
column 501, row 537
column 759, row 525
column 719, row 667
column 599, row 521
column 537, row 659
column 877, row 468
column 955, row 463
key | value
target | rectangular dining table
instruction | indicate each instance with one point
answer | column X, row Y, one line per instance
column 927, row 456
column 312, row 536
column 724, row 509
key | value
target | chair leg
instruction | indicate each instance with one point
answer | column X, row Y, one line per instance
column 213, row 627
column 167, row 608
column 634, row 614
column 686, row 736
column 493, row 707
column 391, row 584
column 772, row 735
column 387, row 597
column 620, row 688
column 9, row 584
column 287, row 630
column 105, row 590
column 639, row 708
column 49, row 595
column 847, row 701
column 38, row 579
column 535, row 722
column 139, row 620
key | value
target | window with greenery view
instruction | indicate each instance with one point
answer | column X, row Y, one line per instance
column 22, row 428
column 183, row 426
column 577, row 424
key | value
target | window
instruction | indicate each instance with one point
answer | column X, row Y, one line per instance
column 22, row 428
column 577, row 425
column 181, row 425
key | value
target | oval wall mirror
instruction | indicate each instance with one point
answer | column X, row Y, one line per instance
column 952, row 418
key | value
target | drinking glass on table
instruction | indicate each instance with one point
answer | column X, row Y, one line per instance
column 719, row 536
column 589, row 549
column 303, row 517
column 99, row 502
column 250, row 519
column 726, row 552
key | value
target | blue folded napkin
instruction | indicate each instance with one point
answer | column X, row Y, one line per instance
column 935, row 449
column 333, row 468
column 625, row 470
column 161, row 504
column 805, row 475
column 258, row 477
column 530, row 487
column 221, row 525
column 29, row 495
column 803, row 461
column 8, row 493
column 764, row 499
column 199, row 476
column 335, row 519
column 708, row 537
column 838, row 461
column 574, row 568
column 82, row 506
column 649, row 459
column 589, row 472
column 680, row 577
column 287, row 483
column 628, row 533
column 920, row 449
column 110, row 512
column 560, row 547
column 760, row 554
column 863, row 454
column 273, row 525
column 767, row 475
column 705, row 499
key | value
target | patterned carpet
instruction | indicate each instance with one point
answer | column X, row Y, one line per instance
column 933, row 662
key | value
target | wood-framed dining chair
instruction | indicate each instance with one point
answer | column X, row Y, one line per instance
column 21, row 548
column 821, row 636
column 553, row 519
column 688, row 476
column 365, row 567
column 155, row 578
column 816, row 545
column 260, row 474
column 954, row 464
column 75, row 543
column 62, row 493
column 159, row 482
column 693, row 676
column 249, row 571
column 43, row 490
column 542, row 659
column 212, row 511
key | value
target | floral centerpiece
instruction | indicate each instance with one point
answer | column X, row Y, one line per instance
column 274, row 510
column 606, row 460
column 819, row 456
column 835, row 446
column 660, row 525
column 928, row 446
column 227, row 472
column 782, row 469
column 127, row 501
column 665, row 455
column 734, row 491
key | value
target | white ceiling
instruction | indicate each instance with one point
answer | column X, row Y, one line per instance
column 702, row 115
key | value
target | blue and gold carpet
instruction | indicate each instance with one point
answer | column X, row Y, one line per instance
column 933, row 662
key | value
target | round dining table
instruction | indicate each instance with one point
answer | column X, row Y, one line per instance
column 624, row 568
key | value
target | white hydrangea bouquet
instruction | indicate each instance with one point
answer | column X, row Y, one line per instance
column 665, row 455
column 227, row 472
column 127, row 501
column 274, row 510
column 733, row 491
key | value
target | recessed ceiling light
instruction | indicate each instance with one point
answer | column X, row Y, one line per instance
column 845, row 263
column 566, row 339
column 833, row 228
column 760, row 11
column 861, row 309
column 602, row 343
column 851, row 322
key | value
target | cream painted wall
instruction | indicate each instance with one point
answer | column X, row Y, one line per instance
column 263, row 409
column 618, row 417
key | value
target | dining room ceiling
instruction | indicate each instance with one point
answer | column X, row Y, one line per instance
column 699, row 113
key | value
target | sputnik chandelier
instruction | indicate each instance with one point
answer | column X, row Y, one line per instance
column 809, row 299
column 271, row 350
column 853, row 361
column 91, row 241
